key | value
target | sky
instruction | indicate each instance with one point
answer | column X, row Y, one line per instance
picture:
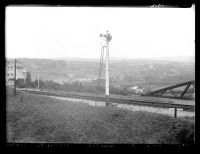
column 53, row 32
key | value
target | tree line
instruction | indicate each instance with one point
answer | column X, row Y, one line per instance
column 95, row 86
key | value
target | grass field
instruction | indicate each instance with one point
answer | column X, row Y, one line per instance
column 35, row 119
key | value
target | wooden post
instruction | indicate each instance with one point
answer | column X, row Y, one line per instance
column 175, row 112
column 38, row 80
column 15, row 78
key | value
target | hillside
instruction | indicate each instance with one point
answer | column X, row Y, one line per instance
column 128, row 72
column 40, row 119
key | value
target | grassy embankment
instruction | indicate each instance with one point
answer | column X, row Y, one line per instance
column 35, row 118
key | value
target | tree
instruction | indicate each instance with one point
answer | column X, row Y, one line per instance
column 28, row 79
column 20, row 83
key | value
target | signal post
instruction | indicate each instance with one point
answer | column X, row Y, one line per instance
column 105, row 44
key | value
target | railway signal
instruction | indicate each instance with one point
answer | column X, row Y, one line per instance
column 106, row 38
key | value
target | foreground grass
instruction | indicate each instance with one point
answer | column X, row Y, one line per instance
column 33, row 118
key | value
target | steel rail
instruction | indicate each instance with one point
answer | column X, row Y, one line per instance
column 139, row 102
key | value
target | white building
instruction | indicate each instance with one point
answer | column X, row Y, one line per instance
column 21, row 73
column 137, row 90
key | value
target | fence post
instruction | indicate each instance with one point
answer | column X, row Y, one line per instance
column 15, row 67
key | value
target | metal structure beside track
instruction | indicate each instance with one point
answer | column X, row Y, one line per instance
column 161, row 92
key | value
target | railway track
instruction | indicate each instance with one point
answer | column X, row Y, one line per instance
column 140, row 102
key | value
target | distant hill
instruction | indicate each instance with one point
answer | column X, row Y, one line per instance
column 190, row 59
column 184, row 59
column 128, row 72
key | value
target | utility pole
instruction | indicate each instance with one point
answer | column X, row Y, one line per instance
column 107, row 38
column 15, row 78
column 38, row 80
